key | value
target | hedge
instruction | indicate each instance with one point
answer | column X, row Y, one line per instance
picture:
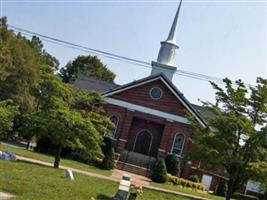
column 185, row 183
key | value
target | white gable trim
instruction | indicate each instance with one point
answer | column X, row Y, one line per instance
column 147, row 110
column 169, row 87
column 130, row 87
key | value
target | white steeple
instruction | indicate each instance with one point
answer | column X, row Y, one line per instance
column 167, row 53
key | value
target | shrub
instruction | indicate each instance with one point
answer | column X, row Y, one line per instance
column 107, row 145
column 109, row 160
column 185, row 183
column 172, row 162
column 159, row 172
column 194, row 178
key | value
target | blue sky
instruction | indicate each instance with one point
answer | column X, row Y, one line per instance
column 217, row 38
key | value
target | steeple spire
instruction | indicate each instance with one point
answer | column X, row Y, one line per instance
column 167, row 53
column 172, row 33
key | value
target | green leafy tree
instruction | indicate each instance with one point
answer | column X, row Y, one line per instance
column 87, row 65
column 65, row 127
column 8, row 110
column 69, row 118
column 237, row 137
column 22, row 62
column 159, row 172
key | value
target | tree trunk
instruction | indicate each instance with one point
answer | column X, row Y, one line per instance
column 230, row 189
column 28, row 144
column 57, row 156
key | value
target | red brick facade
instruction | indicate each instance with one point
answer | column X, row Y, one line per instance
column 132, row 122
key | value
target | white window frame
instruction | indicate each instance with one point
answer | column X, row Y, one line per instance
column 116, row 125
column 182, row 147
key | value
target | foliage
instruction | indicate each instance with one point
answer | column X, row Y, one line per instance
column 107, row 144
column 194, row 178
column 185, row 183
column 109, row 160
column 159, row 172
column 50, row 108
column 172, row 162
column 87, row 65
column 22, row 61
column 8, row 110
column 237, row 137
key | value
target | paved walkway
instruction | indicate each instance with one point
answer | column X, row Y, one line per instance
column 116, row 176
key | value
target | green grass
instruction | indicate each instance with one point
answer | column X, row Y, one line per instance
column 29, row 181
column 48, row 158
column 187, row 191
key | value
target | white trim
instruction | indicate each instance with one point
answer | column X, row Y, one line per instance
column 144, row 130
column 151, row 80
column 132, row 86
column 123, row 140
column 182, row 148
column 156, row 99
column 147, row 110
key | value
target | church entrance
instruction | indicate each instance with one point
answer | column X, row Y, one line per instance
column 143, row 142
column 144, row 137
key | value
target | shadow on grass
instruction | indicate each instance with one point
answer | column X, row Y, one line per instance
column 103, row 197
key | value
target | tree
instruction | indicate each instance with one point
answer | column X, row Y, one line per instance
column 8, row 110
column 237, row 137
column 65, row 127
column 22, row 62
column 69, row 118
column 159, row 172
column 87, row 65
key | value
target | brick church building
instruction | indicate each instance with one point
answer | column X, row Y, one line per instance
column 150, row 116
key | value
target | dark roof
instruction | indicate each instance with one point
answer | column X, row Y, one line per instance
column 203, row 112
column 92, row 84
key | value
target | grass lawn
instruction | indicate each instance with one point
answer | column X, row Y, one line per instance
column 186, row 190
column 48, row 158
column 30, row 182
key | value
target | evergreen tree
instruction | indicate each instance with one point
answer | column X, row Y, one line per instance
column 172, row 162
column 109, row 160
column 159, row 172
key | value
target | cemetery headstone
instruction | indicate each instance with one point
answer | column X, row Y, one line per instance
column 69, row 175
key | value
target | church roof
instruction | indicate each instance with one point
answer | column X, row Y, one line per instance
column 107, row 89
column 92, row 84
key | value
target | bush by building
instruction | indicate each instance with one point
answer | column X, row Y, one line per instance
column 109, row 160
column 172, row 162
column 185, row 183
column 194, row 178
column 159, row 172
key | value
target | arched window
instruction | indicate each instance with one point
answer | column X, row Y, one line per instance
column 178, row 144
column 115, row 121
